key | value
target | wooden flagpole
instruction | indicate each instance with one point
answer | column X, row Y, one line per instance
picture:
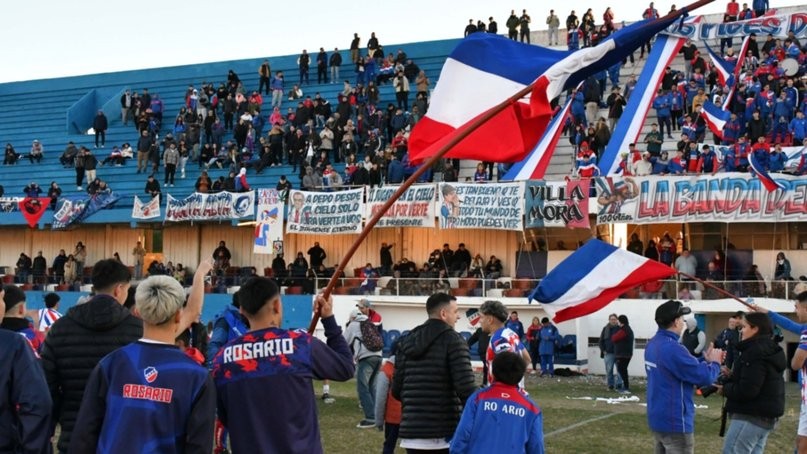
column 479, row 121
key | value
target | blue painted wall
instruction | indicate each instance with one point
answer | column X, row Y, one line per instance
column 297, row 309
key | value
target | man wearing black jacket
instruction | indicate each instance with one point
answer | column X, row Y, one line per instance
column 87, row 333
column 433, row 378
column 100, row 124
column 335, row 61
column 607, row 352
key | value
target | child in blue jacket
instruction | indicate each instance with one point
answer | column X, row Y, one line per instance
column 500, row 418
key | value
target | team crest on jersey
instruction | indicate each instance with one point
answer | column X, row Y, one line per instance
column 150, row 373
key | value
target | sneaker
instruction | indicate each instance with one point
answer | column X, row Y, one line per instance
column 625, row 391
column 328, row 399
column 365, row 424
column 78, row 188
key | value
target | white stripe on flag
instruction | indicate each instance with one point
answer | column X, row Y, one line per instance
column 450, row 103
column 606, row 274
column 636, row 119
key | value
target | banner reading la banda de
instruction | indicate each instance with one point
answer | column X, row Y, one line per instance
column 724, row 197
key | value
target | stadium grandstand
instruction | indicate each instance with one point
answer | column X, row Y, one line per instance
column 55, row 113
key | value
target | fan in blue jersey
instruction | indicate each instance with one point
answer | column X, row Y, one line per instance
column 149, row 396
column 500, row 418
column 77, row 342
column 502, row 338
column 24, row 397
column 264, row 378
column 228, row 325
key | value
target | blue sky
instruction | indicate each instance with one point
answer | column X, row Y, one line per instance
column 51, row 38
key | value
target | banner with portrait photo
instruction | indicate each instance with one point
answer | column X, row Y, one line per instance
column 723, row 197
column 268, row 233
column 210, row 207
column 415, row 208
column 557, row 204
column 325, row 212
column 148, row 210
column 481, row 206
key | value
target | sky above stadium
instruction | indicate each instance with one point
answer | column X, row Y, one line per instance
column 54, row 38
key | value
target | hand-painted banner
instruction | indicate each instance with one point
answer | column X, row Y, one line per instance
column 211, row 207
column 481, row 206
column 776, row 25
column 726, row 197
column 75, row 210
column 325, row 212
column 557, row 204
column 415, row 208
column 148, row 210
column 9, row 204
column 269, row 223
column 33, row 208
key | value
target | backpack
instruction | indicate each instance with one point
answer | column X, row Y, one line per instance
column 370, row 336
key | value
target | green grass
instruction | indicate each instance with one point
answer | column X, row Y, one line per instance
column 625, row 431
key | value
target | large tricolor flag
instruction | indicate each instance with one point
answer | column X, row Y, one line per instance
column 628, row 127
column 486, row 70
column 763, row 175
column 535, row 164
column 592, row 277
column 715, row 117
column 725, row 70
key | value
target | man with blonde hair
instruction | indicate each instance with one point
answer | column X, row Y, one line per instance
column 149, row 384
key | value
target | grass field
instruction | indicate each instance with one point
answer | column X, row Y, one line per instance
column 570, row 426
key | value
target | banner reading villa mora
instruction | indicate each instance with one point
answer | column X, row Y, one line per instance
column 210, row 207
column 481, row 206
column 325, row 212
column 726, row 197
column 269, row 223
column 415, row 208
column 557, row 204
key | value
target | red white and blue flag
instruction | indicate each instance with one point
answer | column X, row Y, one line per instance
column 715, row 117
column 592, row 277
column 485, row 70
column 725, row 70
column 534, row 166
column 763, row 175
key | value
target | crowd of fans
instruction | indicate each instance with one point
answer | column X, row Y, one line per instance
column 767, row 105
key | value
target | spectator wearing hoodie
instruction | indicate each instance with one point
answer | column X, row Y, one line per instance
column 27, row 427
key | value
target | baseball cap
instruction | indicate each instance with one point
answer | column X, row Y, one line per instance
column 364, row 302
column 13, row 296
column 669, row 311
